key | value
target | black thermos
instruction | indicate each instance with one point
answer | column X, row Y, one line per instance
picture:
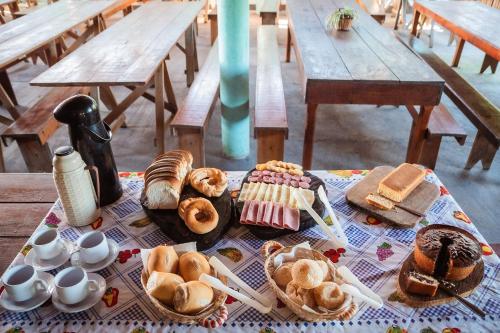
column 91, row 137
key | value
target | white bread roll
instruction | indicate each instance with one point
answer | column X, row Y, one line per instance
column 162, row 286
column 192, row 265
column 192, row 297
column 163, row 259
column 283, row 275
column 307, row 273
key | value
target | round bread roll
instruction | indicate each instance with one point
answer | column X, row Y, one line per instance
column 192, row 297
column 283, row 275
column 307, row 273
column 162, row 286
column 300, row 295
column 192, row 265
column 326, row 270
column 163, row 259
column 328, row 295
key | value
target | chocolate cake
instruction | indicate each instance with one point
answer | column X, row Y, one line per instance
column 421, row 284
column 446, row 252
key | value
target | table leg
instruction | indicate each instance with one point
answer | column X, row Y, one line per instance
column 487, row 62
column 5, row 82
column 160, row 118
column 417, row 134
column 189, row 46
column 213, row 30
column 51, row 53
column 416, row 17
column 8, row 104
column 169, row 91
column 309, row 136
column 458, row 52
column 288, row 44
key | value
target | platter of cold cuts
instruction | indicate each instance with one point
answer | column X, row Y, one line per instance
column 267, row 203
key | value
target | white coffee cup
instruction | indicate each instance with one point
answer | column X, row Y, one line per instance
column 73, row 285
column 22, row 283
column 47, row 244
column 93, row 247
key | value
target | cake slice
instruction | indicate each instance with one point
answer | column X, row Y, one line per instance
column 421, row 284
column 400, row 182
column 379, row 201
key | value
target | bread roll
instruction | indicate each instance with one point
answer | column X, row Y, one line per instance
column 162, row 286
column 163, row 259
column 283, row 275
column 192, row 265
column 328, row 295
column 300, row 295
column 307, row 273
column 326, row 270
column 192, row 297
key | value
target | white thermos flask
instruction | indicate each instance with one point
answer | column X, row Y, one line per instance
column 75, row 188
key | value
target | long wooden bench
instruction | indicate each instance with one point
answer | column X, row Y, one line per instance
column 191, row 120
column 270, row 121
column 476, row 107
column 124, row 5
column 35, row 126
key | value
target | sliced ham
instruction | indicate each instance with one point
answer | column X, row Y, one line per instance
column 268, row 213
column 253, row 210
column 244, row 212
column 291, row 218
column 277, row 221
column 260, row 213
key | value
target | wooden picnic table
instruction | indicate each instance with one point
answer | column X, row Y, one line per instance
column 132, row 53
column 24, row 201
column 366, row 65
column 471, row 21
column 42, row 29
column 13, row 7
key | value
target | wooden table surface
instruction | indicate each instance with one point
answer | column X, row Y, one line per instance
column 472, row 21
column 366, row 65
column 25, row 199
column 127, row 53
column 22, row 36
column 6, row 2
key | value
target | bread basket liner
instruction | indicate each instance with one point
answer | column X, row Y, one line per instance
column 345, row 312
column 211, row 317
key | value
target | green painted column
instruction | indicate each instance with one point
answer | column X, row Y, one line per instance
column 234, row 39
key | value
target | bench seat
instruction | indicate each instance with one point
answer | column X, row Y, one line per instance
column 191, row 120
column 270, row 120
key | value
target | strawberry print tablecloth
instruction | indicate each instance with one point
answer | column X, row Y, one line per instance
column 375, row 254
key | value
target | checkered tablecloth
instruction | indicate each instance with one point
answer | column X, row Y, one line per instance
column 375, row 254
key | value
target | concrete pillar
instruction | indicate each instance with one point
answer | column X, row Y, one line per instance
column 234, row 38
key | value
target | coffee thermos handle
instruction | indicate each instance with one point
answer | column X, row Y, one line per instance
column 97, row 136
column 95, row 170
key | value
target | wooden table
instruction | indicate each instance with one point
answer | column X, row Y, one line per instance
column 471, row 21
column 21, row 37
column 13, row 7
column 25, row 199
column 132, row 53
column 366, row 65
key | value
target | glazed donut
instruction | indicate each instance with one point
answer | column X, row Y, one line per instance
column 200, row 216
column 328, row 295
column 307, row 273
column 211, row 182
column 300, row 295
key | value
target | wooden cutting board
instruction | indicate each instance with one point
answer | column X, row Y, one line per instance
column 420, row 199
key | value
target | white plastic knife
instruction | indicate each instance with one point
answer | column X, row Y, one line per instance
column 349, row 277
column 336, row 223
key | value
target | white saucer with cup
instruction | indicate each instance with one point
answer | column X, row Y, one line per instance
column 25, row 288
column 77, row 290
column 48, row 251
column 95, row 251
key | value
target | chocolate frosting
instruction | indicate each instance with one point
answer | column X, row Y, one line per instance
column 463, row 248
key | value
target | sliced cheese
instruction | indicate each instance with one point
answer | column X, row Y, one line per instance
column 276, row 193
column 292, row 202
column 252, row 191
column 285, row 195
column 269, row 192
column 308, row 196
column 262, row 192
column 244, row 192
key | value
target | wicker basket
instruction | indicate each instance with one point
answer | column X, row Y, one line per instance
column 272, row 248
column 213, row 316
column 344, row 24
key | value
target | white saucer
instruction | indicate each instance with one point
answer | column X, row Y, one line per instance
column 113, row 253
column 28, row 305
column 49, row 264
column 92, row 298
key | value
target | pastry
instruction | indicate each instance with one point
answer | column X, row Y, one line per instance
column 281, row 167
column 182, row 207
column 326, row 270
column 283, row 274
column 162, row 286
column 163, row 259
column 328, row 295
column 400, row 182
column 421, row 284
column 307, row 273
column 164, row 179
column 200, row 216
column 192, row 265
column 192, row 297
column 211, row 182
column 300, row 295
column 446, row 252
column 379, row 201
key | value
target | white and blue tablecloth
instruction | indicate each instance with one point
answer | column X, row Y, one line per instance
column 375, row 254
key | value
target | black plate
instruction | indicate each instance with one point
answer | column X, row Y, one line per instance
column 174, row 227
column 306, row 221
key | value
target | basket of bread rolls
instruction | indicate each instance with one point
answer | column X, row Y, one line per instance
column 170, row 279
column 306, row 282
